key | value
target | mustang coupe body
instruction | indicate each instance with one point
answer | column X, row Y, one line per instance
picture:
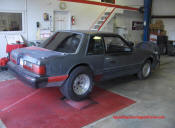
column 73, row 60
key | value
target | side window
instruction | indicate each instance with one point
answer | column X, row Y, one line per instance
column 115, row 44
column 96, row 46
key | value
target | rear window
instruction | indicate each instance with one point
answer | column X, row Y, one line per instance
column 65, row 42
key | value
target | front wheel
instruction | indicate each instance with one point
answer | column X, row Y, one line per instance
column 79, row 84
column 145, row 71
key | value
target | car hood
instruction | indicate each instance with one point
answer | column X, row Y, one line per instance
column 147, row 46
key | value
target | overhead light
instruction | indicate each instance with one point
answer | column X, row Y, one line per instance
column 97, row 38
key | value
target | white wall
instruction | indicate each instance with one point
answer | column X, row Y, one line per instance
column 84, row 15
column 33, row 12
column 125, row 20
column 133, row 3
column 163, row 7
column 166, row 7
column 12, row 6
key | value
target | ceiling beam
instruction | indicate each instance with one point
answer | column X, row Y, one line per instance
column 163, row 16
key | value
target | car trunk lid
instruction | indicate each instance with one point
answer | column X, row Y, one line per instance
column 35, row 55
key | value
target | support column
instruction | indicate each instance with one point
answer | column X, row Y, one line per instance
column 147, row 18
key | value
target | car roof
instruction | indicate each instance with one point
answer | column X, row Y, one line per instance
column 89, row 32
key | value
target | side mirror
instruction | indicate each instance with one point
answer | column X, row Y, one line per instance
column 131, row 44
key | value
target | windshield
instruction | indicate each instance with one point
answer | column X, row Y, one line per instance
column 65, row 42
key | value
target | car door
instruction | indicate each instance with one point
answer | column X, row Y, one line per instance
column 95, row 54
column 119, row 58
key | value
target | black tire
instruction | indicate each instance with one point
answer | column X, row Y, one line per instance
column 140, row 74
column 67, row 89
column 164, row 51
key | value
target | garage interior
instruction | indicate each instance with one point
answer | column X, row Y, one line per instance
column 124, row 102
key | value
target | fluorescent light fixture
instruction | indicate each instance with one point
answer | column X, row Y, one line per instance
column 97, row 38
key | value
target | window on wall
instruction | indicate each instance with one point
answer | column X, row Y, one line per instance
column 108, row 1
column 10, row 21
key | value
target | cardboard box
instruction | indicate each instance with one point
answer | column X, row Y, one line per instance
column 159, row 22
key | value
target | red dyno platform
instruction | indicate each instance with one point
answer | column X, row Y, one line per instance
column 80, row 105
column 24, row 107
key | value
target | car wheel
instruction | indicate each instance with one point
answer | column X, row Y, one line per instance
column 145, row 71
column 79, row 84
column 164, row 51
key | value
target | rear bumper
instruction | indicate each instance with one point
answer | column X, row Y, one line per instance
column 34, row 80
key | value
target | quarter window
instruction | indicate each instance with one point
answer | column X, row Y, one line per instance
column 65, row 42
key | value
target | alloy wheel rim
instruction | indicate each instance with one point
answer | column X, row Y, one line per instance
column 81, row 84
column 146, row 70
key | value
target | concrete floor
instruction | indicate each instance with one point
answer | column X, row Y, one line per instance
column 154, row 97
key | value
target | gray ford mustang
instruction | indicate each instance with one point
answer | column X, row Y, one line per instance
column 73, row 60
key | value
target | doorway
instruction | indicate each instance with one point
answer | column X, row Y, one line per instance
column 62, row 20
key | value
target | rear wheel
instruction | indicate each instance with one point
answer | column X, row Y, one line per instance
column 79, row 84
column 164, row 51
column 145, row 71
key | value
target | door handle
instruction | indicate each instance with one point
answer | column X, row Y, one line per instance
column 112, row 61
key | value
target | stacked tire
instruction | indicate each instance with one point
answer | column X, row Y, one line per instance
column 162, row 42
column 171, row 48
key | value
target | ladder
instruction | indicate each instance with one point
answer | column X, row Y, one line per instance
column 103, row 19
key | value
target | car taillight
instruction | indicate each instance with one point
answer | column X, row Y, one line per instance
column 40, row 70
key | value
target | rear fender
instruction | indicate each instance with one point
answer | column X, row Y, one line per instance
column 82, row 64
